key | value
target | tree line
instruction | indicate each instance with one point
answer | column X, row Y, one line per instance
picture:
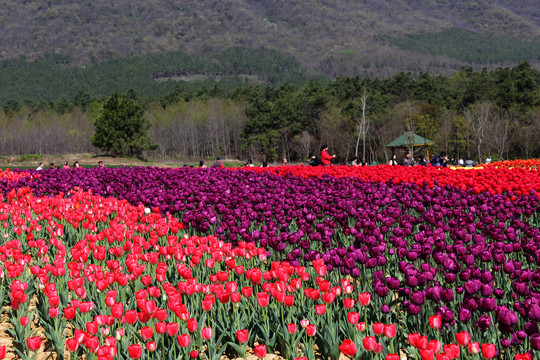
column 476, row 114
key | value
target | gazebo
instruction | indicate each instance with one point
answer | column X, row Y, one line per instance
column 408, row 140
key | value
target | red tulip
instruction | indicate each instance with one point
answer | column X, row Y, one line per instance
column 348, row 348
column 2, row 352
column 427, row 354
column 147, row 333
column 92, row 327
column 72, row 344
column 353, row 318
column 117, row 310
column 263, row 299
column 291, row 328
column 207, row 305
column 413, row 338
column 390, row 330
column 184, row 340
column 260, row 351
column 320, row 309
column 474, row 347
column 378, row 328
column 452, row 350
column 193, row 354
column 172, row 329
column 242, row 336
column 443, row 356
column 435, row 321
column 206, row 333
column 364, row 298
column 422, row 343
column 161, row 327
column 435, row 345
column 348, row 303
column 370, row 343
column 192, row 325
column 488, row 351
column 525, row 356
column 463, row 338
column 311, row 330
column 53, row 312
column 33, row 343
column 361, row 326
column 69, row 312
column 392, row 357
column 131, row 316
column 151, row 346
column 135, row 351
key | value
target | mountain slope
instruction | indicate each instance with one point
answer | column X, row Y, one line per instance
column 335, row 37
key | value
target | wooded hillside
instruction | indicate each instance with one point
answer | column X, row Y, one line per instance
column 338, row 37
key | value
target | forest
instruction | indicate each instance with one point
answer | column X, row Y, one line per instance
column 334, row 38
column 477, row 114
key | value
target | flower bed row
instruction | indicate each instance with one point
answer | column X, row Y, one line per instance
column 122, row 278
column 495, row 179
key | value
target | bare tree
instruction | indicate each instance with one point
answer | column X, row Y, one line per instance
column 362, row 126
column 500, row 131
column 478, row 116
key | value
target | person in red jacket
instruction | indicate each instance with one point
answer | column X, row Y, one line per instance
column 326, row 159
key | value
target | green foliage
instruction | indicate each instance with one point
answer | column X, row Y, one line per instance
column 29, row 157
column 121, row 128
column 469, row 46
column 55, row 78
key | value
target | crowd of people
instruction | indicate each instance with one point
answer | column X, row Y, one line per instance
column 324, row 159
column 76, row 165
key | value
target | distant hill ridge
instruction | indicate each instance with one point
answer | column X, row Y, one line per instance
column 330, row 37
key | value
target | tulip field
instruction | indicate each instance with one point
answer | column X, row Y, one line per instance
column 375, row 263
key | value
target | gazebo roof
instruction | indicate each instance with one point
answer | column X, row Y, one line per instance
column 405, row 140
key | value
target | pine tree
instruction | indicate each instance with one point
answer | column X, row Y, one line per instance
column 121, row 128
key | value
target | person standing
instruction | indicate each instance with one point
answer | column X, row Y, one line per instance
column 217, row 163
column 40, row 166
column 393, row 160
column 326, row 159
column 407, row 160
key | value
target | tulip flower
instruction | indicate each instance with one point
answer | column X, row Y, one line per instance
column 24, row 320
column 242, row 336
column 390, row 331
column 259, row 351
column 184, row 340
column 151, row 346
column 364, row 298
column 378, row 328
column 474, row 348
column 370, row 343
column 311, row 330
column 463, row 338
column 206, row 333
column 291, row 328
column 348, row 348
column 435, row 321
column 392, row 357
column 146, row 333
column 320, row 309
column 33, row 343
column 525, row 356
column 488, row 351
column 353, row 318
column 135, row 351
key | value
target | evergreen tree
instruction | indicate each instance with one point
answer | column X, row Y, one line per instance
column 121, row 128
